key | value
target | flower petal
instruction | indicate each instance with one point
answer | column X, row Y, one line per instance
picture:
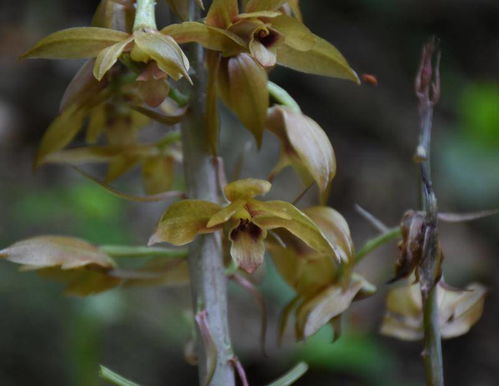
column 75, row 43
column 222, row 13
column 246, row 188
column 321, row 309
column 225, row 214
column 165, row 51
column 296, row 34
column 61, row 131
column 50, row 251
column 107, row 57
column 249, row 97
column 305, row 144
column 247, row 248
column 322, row 59
column 300, row 225
column 183, row 220
column 263, row 5
column 334, row 226
column 209, row 37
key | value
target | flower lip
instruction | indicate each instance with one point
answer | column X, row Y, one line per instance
column 267, row 36
column 246, row 226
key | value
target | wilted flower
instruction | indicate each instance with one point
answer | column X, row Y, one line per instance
column 304, row 146
column 324, row 288
column 247, row 222
column 458, row 311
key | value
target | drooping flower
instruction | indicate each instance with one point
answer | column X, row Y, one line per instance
column 247, row 222
column 304, row 146
column 246, row 44
column 324, row 288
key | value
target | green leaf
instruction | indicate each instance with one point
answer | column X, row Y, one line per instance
column 291, row 376
column 305, row 145
column 165, row 51
column 75, row 43
column 246, row 188
column 50, row 251
column 322, row 59
column 183, row 221
column 249, row 97
column 108, row 57
column 114, row 378
column 211, row 38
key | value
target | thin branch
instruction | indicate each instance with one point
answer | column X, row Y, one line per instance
column 427, row 88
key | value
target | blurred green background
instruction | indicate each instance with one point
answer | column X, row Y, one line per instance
column 49, row 339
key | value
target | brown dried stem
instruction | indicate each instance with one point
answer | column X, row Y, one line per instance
column 427, row 87
column 208, row 281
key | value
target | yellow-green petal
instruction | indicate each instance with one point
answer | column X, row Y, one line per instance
column 165, row 51
column 296, row 34
column 225, row 214
column 246, row 188
column 183, row 221
column 75, row 43
column 249, row 97
column 305, row 145
column 322, row 59
column 222, row 13
column 300, row 225
column 209, row 37
column 334, row 226
column 108, row 57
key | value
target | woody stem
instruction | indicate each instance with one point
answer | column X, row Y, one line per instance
column 208, row 280
column 145, row 17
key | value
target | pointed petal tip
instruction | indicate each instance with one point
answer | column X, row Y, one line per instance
column 154, row 239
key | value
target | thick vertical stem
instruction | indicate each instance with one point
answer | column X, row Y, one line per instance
column 145, row 15
column 208, row 281
column 428, row 92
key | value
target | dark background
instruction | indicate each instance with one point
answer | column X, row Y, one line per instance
column 48, row 339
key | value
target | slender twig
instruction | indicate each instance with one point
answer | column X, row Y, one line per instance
column 282, row 97
column 141, row 251
column 427, row 87
column 208, row 281
column 376, row 242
